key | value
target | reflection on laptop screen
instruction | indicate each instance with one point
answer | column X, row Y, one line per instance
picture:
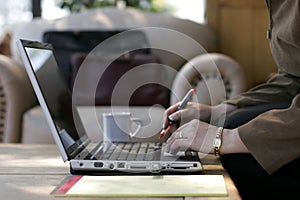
column 57, row 97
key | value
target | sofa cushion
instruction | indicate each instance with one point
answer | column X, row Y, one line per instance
column 67, row 43
column 136, row 81
column 35, row 128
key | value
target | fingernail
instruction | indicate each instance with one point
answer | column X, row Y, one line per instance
column 171, row 117
column 168, row 140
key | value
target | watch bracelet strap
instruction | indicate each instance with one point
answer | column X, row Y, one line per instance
column 218, row 141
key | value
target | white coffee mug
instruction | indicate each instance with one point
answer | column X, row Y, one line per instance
column 118, row 127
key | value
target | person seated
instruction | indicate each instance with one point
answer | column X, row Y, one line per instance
column 256, row 134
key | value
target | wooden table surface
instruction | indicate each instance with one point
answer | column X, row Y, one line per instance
column 33, row 171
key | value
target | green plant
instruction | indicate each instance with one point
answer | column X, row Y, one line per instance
column 147, row 5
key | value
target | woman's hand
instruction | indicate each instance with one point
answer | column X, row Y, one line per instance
column 193, row 111
column 199, row 136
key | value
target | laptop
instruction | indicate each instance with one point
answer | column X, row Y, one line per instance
column 84, row 155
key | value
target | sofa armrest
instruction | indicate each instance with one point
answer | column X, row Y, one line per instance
column 216, row 77
column 16, row 96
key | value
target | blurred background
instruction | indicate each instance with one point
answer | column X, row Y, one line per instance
column 18, row 11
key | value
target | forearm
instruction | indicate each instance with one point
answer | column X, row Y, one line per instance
column 280, row 88
column 273, row 138
column 218, row 114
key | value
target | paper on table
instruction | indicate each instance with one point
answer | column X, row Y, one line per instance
column 137, row 186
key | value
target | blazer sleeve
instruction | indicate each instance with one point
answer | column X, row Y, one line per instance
column 273, row 137
column 280, row 88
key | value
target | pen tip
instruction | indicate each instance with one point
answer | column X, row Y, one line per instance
column 162, row 133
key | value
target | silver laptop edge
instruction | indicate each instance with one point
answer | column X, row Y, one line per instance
column 41, row 100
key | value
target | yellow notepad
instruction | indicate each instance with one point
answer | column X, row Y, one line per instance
column 138, row 186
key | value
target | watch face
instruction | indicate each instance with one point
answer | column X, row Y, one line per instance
column 217, row 142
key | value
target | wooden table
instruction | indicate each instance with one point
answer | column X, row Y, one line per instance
column 33, row 172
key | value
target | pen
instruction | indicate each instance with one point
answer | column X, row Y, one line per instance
column 182, row 104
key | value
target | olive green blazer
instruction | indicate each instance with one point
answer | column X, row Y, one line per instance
column 273, row 138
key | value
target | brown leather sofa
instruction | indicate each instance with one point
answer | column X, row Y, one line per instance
column 16, row 96
column 21, row 118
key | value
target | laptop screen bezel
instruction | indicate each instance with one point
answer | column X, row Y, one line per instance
column 66, row 153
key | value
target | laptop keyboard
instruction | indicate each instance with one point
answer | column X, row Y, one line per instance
column 130, row 151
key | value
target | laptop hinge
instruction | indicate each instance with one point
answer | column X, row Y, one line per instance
column 80, row 148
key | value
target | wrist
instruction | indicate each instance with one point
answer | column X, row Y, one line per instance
column 232, row 143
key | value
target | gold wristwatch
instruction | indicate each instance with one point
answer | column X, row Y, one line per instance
column 218, row 141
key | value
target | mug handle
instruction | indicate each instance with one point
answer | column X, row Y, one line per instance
column 139, row 124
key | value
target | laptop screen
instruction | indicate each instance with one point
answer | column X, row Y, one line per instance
column 55, row 95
